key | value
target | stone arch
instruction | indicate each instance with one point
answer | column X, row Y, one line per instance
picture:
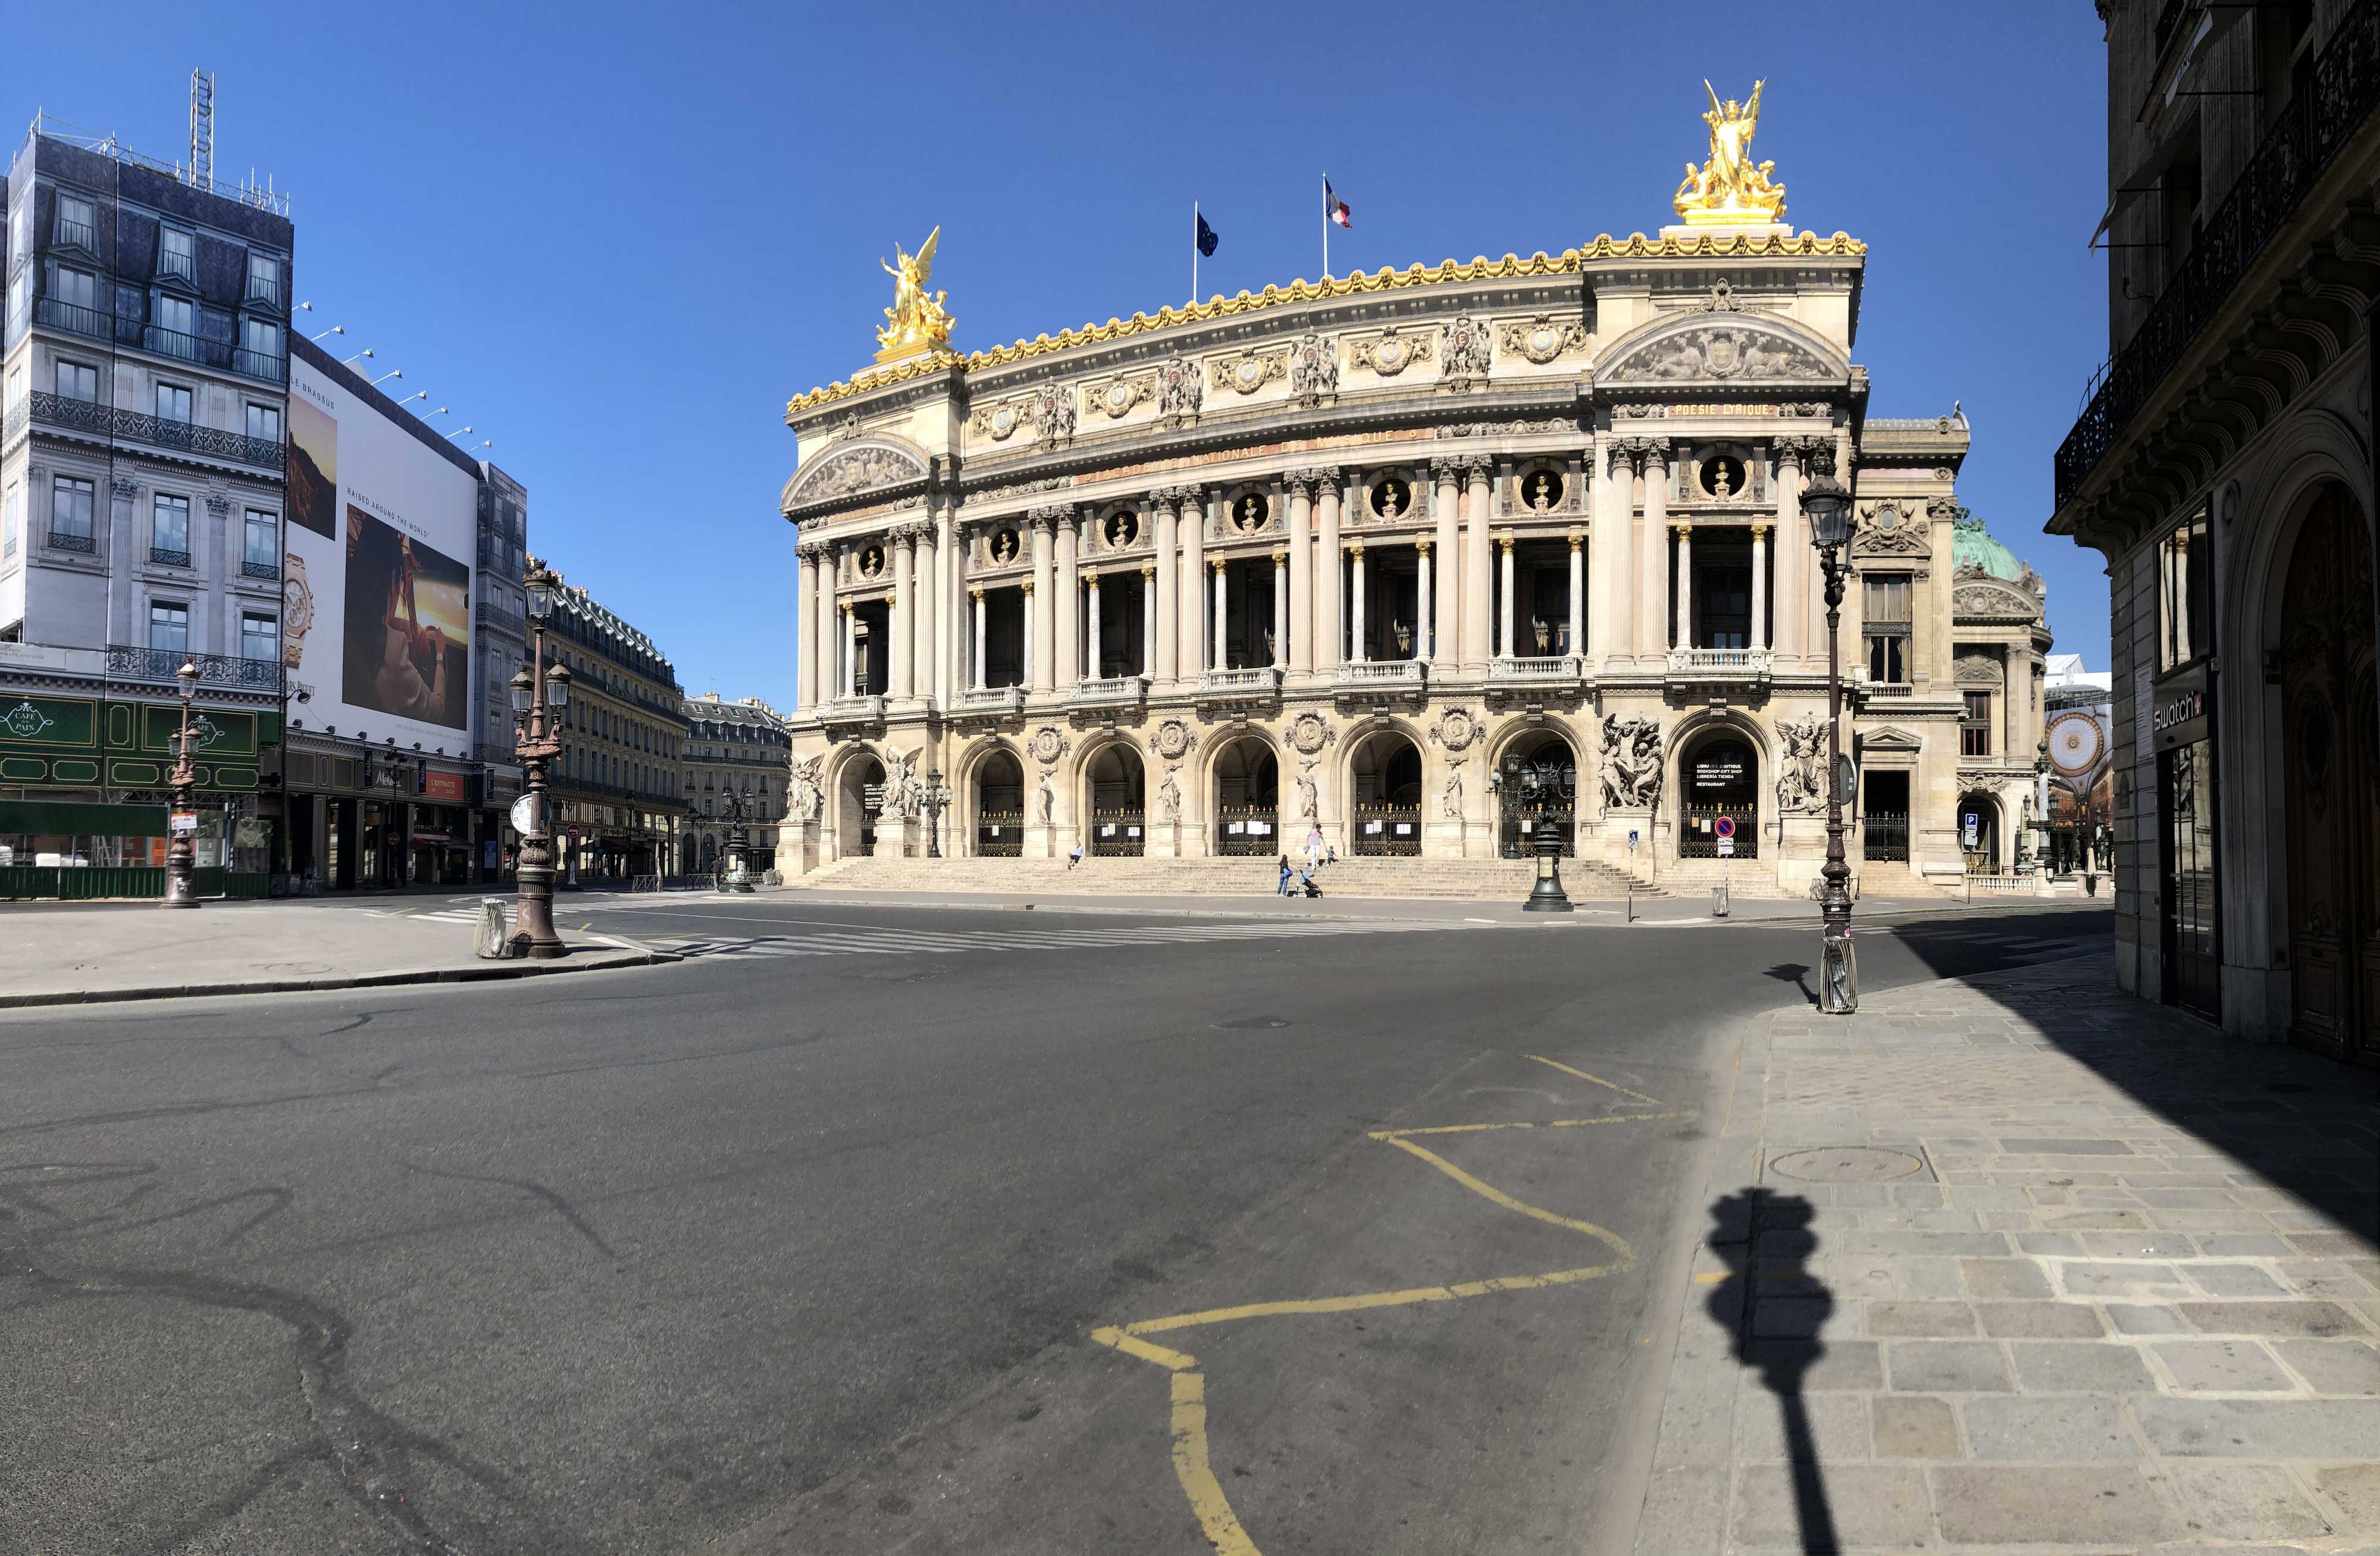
column 991, row 799
column 1244, row 776
column 1985, row 805
column 1730, row 346
column 1702, row 788
column 1538, row 770
column 1384, row 775
column 854, row 824
column 1111, row 783
column 877, row 465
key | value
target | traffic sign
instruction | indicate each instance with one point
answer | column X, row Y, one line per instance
column 1726, row 847
column 1725, row 827
column 1631, row 841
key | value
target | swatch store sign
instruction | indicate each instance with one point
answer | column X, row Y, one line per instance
column 2178, row 713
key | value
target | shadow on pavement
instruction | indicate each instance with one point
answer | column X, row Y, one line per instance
column 1798, row 975
column 1766, row 1242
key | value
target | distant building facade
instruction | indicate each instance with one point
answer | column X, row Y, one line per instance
column 739, row 749
column 2224, row 468
column 617, row 787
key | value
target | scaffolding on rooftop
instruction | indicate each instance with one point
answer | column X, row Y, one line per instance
column 264, row 196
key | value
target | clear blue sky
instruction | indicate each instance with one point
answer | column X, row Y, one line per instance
column 616, row 239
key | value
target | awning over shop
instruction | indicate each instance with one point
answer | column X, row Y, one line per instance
column 65, row 819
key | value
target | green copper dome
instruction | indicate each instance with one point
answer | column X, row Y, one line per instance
column 1972, row 545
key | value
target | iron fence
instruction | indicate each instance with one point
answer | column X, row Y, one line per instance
column 214, row 670
column 1244, row 831
column 1884, row 837
column 1698, row 831
column 1387, row 831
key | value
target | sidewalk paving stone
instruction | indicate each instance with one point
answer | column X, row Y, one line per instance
column 2125, row 1301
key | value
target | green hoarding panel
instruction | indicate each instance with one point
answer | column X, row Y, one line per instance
column 63, row 819
column 49, row 723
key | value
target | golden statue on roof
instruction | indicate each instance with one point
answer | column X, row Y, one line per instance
column 920, row 323
column 1730, row 190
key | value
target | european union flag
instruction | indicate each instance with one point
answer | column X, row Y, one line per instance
column 1207, row 240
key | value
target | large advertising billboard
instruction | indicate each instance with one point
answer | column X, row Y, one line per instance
column 381, row 528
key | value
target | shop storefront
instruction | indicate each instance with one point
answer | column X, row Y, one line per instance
column 2182, row 720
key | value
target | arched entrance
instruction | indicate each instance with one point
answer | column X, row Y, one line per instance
column 709, row 853
column 1719, row 778
column 2328, row 766
column 1983, row 854
column 862, row 799
column 999, row 808
column 1118, row 784
column 1385, row 779
column 1247, row 799
column 1537, row 783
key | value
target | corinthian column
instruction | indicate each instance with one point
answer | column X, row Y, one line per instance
column 898, row 619
column 827, row 624
column 1577, row 591
column 1446, row 618
column 927, row 612
column 1424, row 620
column 851, row 676
column 1223, row 620
column 1793, row 550
column 1281, row 609
column 1162, row 655
column 1301, row 571
column 1329, row 639
column 1195, row 519
column 1068, row 599
column 805, row 607
column 1504, row 613
column 1653, row 584
column 1356, row 653
column 1037, row 657
column 1150, row 636
column 1091, row 634
column 976, row 678
column 1759, row 638
column 1613, row 619
column 1682, row 634
column 1476, row 562
column 1042, row 626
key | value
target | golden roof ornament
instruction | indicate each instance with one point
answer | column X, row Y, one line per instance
column 920, row 324
column 1730, row 191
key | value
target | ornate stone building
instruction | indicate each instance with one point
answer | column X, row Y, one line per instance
column 732, row 748
column 1414, row 559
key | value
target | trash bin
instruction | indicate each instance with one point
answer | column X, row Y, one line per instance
column 494, row 932
column 1719, row 900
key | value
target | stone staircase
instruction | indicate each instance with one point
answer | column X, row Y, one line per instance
column 1466, row 879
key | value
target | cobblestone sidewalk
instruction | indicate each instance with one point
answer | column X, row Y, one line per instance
column 2018, row 1262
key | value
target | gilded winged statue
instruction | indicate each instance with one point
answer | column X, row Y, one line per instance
column 1731, row 186
column 919, row 323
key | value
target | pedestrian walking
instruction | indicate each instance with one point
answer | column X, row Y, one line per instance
column 1284, row 875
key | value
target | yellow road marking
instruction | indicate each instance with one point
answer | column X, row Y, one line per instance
column 1192, row 1464
column 1196, row 1475
column 1549, row 1124
column 1598, row 1080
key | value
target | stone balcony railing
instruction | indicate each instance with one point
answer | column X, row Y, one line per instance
column 1720, row 664
column 1112, row 691
column 853, row 713
column 998, row 703
column 1263, row 680
column 1386, row 675
column 1545, row 669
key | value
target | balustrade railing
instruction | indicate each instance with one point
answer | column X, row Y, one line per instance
column 2313, row 128
column 74, row 318
column 1551, row 667
column 1259, row 679
column 1688, row 661
column 60, row 410
column 1383, row 672
column 188, row 349
column 130, row 662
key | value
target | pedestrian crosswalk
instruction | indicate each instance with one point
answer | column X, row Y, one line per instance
column 864, row 941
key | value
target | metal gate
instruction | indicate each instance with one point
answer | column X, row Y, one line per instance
column 1242, row 830
column 1118, row 834
column 1698, row 839
column 1531, row 791
column 999, row 834
column 1885, row 836
column 1391, row 831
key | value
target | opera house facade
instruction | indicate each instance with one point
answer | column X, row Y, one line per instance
column 1422, row 560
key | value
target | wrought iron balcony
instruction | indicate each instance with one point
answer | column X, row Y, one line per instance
column 1535, row 671
column 1384, row 674
column 1719, row 664
column 2313, row 128
column 73, row 316
column 127, row 663
column 1263, row 680
column 258, row 364
column 165, row 558
column 190, row 349
column 61, row 539
column 106, row 421
column 259, row 569
column 1112, row 691
column 78, row 235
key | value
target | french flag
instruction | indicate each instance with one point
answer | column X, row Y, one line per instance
column 1335, row 207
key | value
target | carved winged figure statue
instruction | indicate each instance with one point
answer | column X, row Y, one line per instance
column 1730, row 181
column 919, row 323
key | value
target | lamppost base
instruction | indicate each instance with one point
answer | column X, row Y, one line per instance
column 178, row 895
column 1838, row 976
column 1546, row 895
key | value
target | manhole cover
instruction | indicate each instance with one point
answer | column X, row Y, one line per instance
column 1250, row 1023
column 1845, row 1164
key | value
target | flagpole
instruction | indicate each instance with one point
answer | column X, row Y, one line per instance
column 1194, row 254
column 1326, row 224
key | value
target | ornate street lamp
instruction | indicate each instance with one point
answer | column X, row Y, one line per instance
column 539, row 696
column 736, row 878
column 938, row 800
column 1828, row 507
column 181, row 851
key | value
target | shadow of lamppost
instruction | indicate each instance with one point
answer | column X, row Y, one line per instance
column 1760, row 1233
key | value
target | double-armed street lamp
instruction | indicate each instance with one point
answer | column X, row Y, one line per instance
column 735, row 876
column 937, row 800
column 181, row 850
column 539, row 697
column 1828, row 505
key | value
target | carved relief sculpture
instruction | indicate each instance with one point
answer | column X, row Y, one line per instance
column 1801, row 772
column 1173, row 739
column 856, row 469
column 1391, row 352
column 1309, row 798
column 1054, row 414
column 1468, row 349
column 1631, row 762
column 1247, row 371
column 1118, row 395
column 1180, row 391
column 1543, row 338
column 1450, row 798
column 1720, row 352
column 804, row 798
column 1314, row 367
column 1890, row 532
column 1309, row 734
column 1169, row 795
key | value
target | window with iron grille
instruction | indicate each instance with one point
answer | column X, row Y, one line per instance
column 263, row 278
column 177, row 254
column 78, row 222
column 1975, row 724
column 261, row 556
column 169, row 531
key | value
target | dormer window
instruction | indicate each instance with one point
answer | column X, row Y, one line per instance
column 264, row 279
column 77, row 223
column 177, row 254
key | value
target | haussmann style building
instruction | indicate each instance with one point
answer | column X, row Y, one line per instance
column 2224, row 468
column 1416, row 559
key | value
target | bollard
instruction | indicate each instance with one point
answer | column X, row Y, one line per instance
column 494, row 932
column 1719, row 900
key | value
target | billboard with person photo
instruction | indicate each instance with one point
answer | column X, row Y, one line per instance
column 383, row 521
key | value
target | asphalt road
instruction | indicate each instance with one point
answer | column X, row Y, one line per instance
column 873, row 1228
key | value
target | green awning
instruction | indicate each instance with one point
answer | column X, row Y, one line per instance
column 46, row 818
